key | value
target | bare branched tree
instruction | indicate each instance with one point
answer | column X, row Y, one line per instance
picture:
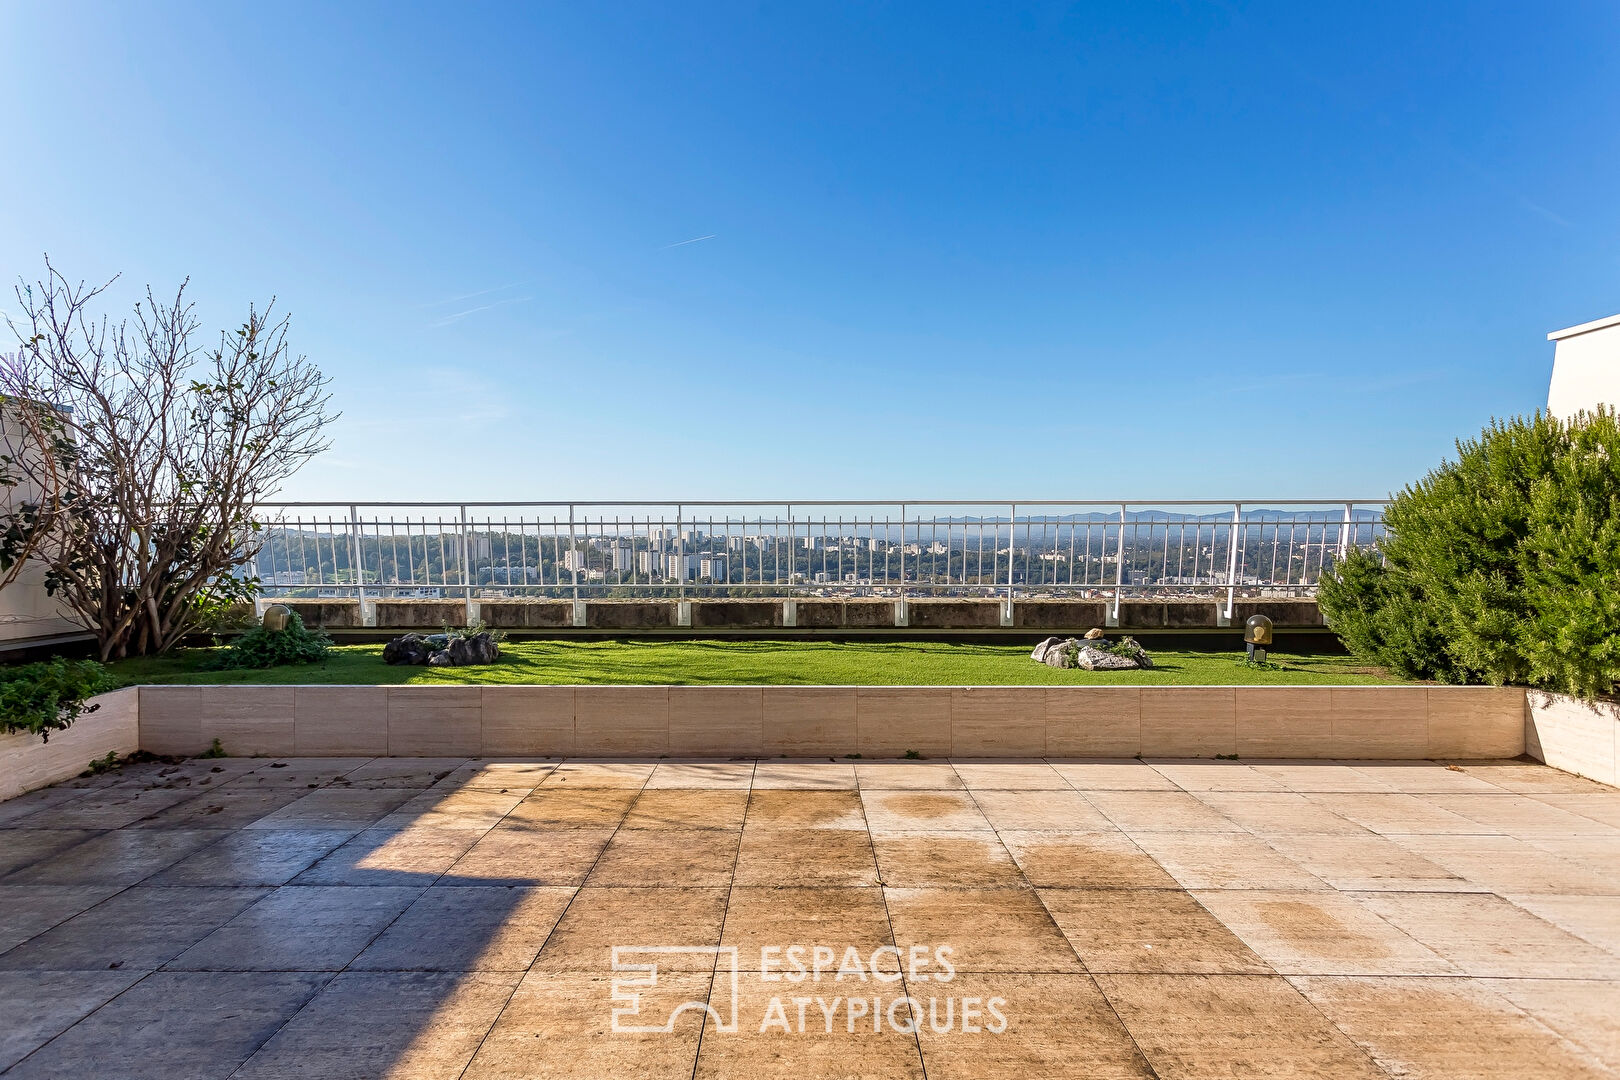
column 146, row 453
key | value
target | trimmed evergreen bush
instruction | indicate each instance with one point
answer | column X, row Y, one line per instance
column 1502, row 566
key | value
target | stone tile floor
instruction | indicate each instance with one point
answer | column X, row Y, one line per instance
column 453, row 918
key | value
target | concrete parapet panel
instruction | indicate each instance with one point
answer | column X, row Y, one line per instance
column 1190, row 615
column 525, row 614
column 867, row 614
column 629, row 614
column 736, row 614
column 420, row 614
column 1142, row 615
column 954, row 614
column 332, row 614
column 1066, row 615
column 1283, row 614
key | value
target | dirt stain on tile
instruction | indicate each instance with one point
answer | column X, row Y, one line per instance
column 1304, row 924
column 922, row 804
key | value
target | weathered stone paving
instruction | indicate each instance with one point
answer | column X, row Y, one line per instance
column 452, row 918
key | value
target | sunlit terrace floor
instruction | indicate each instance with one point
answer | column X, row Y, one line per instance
column 425, row 918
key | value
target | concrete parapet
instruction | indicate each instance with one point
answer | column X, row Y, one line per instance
column 810, row 615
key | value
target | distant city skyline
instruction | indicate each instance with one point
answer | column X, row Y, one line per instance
column 1247, row 251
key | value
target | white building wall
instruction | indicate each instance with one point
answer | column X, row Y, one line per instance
column 1586, row 367
column 27, row 612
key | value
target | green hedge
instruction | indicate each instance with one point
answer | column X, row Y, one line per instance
column 47, row 696
column 1502, row 566
column 263, row 648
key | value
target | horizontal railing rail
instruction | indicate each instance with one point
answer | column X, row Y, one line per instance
column 899, row 549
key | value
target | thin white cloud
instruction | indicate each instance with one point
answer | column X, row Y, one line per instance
column 459, row 315
column 683, row 243
column 475, row 295
column 1537, row 208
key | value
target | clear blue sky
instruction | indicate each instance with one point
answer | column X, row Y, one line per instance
column 1059, row 251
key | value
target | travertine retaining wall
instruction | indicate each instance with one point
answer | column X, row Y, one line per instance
column 1571, row 735
column 1408, row 722
column 27, row 763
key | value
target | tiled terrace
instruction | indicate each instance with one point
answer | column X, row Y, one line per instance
column 426, row 918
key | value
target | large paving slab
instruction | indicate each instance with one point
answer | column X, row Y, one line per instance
column 448, row 917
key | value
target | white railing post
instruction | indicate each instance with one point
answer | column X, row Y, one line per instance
column 1012, row 546
column 903, row 610
column 1232, row 560
column 1119, row 564
column 680, row 547
column 354, row 559
column 466, row 571
column 573, row 554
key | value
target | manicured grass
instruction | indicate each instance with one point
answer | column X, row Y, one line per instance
column 906, row 663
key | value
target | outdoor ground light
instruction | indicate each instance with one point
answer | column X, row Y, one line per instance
column 276, row 617
column 1257, row 635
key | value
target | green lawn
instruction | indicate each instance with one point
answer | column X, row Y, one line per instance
column 763, row 662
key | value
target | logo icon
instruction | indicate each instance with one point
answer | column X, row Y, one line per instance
column 639, row 967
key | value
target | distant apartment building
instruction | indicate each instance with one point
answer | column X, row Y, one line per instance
column 712, row 567
column 574, row 559
column 623, row 556
column 679, row 567
column 650, row 563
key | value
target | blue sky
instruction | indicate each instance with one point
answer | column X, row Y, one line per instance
column 1083, row 251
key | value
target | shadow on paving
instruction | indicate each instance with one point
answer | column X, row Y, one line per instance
column 277, row 922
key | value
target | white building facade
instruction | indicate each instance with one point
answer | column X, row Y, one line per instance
column 1586, row 367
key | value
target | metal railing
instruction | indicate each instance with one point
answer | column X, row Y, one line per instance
column 907, row 548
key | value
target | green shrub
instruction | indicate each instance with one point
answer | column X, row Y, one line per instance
column 43, row 697
column 1502, row 566
column 472, row 630
column 261, row 648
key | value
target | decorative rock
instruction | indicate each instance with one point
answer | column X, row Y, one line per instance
column 1094, row 634
column 1093, row 654
column 1096, row 660
column 1041, row 650
column 442, row 650
column 410, row 649
column 478, row 649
